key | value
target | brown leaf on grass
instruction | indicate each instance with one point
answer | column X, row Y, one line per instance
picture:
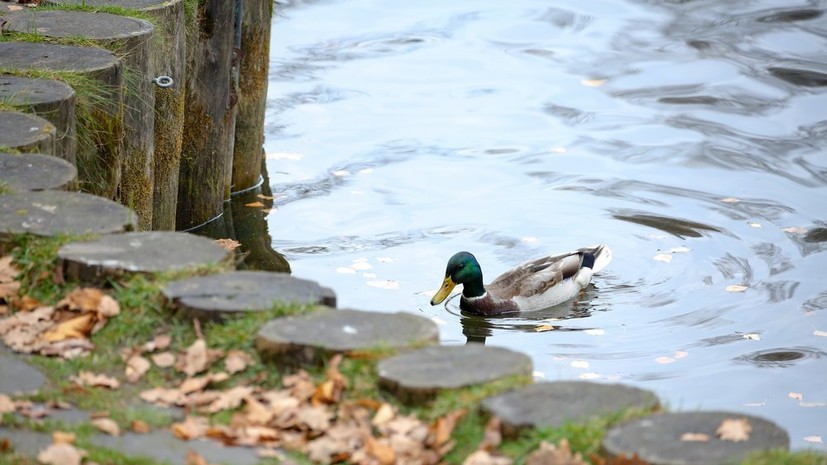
column 77, row 328
column 482, row 457
column 163, row 359
column 63, row 437
column 314, row 418
column 237, row 361
column 230, row 399
column 194, row 458
column 136, row 367
column 6, row 404
column 82, row 299
column 107, row 425
column 195, row 358
column 140, row 426
column 162, row 396
column 383, row 415
column 25, row 303
column 192, row 427
column 159, row 342
column 108, row 307
column 734, row 430
column 8, row 272
column 549, row 454
column 380, row 450
column 492, row 436
column 61, row 454
column 257, row 413
column 68, row 349
column 8, row 291
column 330, row 390
column 442, row 428
column 198, row 383
column 87, row 378
column 299, row 385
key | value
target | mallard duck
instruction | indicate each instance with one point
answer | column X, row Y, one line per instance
column 534, row 285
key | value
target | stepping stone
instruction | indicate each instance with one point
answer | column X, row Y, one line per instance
column 657, row 440
column 35, row 172
column 137, row 252
column 311, row 338
column 553, row 404
column 49, row 99
column 417, row 376
column 51, row 213
column 222, row 295
column 18, row 376
column 26, row 133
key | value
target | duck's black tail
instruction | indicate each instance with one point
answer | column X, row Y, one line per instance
column 596, row 257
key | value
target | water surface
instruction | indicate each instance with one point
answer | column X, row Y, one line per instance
column 687, row 135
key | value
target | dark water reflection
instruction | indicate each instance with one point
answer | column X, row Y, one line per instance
column 688, row 135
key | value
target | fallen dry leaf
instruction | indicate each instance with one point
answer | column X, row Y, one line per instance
column 160, row 342
column 796, row 395
column 734, row 430
column 230, row 399
column 76, row 328
column 549, row 454
column 83, row 299
column 140, row 426
column 163, row 396
column 195, row 358
column 380, row 450
column 695, row 437
column 61, row 454
column 6, row 404
column 87, row 378
column 237, row 361
column 194, row 458
column 136, row 367
column 107, row 425
column 736, row 288
column 814, row 439
column 228, row 244
column 254, row 204
column 8, row 272
column 192, row 427
column 63, row 437
column 163, row 359
column 492, row 435
column 544, row 328
column 383, row 415
column 482, row 457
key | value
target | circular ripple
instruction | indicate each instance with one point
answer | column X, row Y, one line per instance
column 780, row 357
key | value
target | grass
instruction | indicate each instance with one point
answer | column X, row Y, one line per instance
column 143, row 316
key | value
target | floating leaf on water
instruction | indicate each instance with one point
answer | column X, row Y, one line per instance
column 754, row 225
column 695, row 437
column 681, row 354
column 795, row 230
column 591, row 375
column 663, row 257
column 664, row 360
column 544, row 328
column 341, row 173
column 730, row 200
column 254, row 204
column 734, row 430
column 265, row 197
column 681, row 249
column 751, row 336
column 579, row 364
column 818, row 332
column 595, row 332
column 736, row 288
column 593, row 82
column 814, row 439
column 796, row 395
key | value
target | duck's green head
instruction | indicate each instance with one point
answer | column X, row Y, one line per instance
column 464, row 269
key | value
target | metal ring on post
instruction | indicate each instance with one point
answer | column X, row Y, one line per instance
column 163, row 81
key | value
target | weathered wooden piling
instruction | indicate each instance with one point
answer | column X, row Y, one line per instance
column 50, row 99
column 96, row 76
column 130, row 39
column 254, row 66
column 169, row 60
column 206, row 153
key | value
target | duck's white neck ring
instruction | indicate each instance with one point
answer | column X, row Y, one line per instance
column 473, row 299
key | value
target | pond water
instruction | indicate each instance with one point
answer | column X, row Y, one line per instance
column 689, row 136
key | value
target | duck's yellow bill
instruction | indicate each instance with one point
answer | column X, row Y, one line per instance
column 444, row 291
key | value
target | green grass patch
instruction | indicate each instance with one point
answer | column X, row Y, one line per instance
column 783, row 457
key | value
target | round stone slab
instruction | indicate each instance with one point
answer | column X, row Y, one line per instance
column 217, row 296
column 35, row 172
column 26, row 133
column 657, row 439
column 313, row 337
column 419, row 375
column 50, row 213
column 553, row 404
column 137, row 252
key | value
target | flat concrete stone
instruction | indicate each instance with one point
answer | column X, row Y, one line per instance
column 49, row 99
column 137, row 252
column 419, row 375
column 18, row 376
column 553, row 404
column 35, row 172
column 657, row 439
column 50, row 213
column 26, row 133
column 312, row 338
column 223, row 295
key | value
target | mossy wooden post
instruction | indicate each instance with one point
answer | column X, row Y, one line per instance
column 169, row 60
column 50, row 99
column 207, row 146
column 98, row 105
column 130, row 39
column 252, row 98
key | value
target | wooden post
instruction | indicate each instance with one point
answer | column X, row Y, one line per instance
column 207, row 144
column 253, row 80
